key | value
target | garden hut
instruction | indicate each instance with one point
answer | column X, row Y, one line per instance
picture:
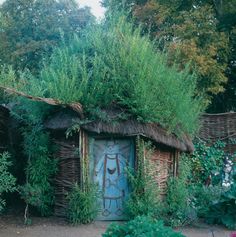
column 219, row 127
column 4, row 120
column 103, row 150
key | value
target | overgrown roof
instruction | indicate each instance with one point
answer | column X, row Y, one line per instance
column 113, row 64
column 64, row 120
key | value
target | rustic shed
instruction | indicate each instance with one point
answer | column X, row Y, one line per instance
column 4, row 120
column 221, row 127
column 104, row 149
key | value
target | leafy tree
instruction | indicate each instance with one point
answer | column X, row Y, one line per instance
column 29, row 29
column 226, row 101
column 191, row 32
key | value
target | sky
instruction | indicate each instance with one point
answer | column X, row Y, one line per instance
column 95, row 5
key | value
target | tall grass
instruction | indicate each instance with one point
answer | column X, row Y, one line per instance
column 113, row 64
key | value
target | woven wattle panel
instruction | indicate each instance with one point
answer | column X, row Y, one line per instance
column 161, row 168
column 219, row 127
column 68, row 173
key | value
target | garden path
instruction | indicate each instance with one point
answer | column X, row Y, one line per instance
column 53, row 227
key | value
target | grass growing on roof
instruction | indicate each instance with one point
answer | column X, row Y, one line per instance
column 113, row 64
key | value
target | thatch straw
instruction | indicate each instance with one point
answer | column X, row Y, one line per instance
column 132, row 127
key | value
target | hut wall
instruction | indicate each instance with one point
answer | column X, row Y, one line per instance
column 164, row 163
column 72, row 168
column 4, row 122
column 68, row 171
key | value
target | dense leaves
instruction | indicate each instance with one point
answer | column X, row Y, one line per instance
column 7, row 180
column 114, row 66
column 144, row 198
column 223, row 210
column 141, row 226
column 207, row 162
column 30, row 29
column 194, row 32
column 38, row 190
column 82, row 206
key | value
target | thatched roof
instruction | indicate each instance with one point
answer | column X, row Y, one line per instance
column 126, row 128
column 132, row 127
column 219, row 127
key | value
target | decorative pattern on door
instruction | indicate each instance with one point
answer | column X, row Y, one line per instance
column 109, row 161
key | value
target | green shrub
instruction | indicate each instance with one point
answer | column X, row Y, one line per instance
column 41, row 168
column 207, row 162
column 141, row 226
column 176, row 210
column 7, row 180
column 144, row 198
column 202, row 198
column 83, row 207
column 212, row 183
column 223, row 210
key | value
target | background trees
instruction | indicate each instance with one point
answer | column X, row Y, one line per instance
column 194, row 32
column 29, row 29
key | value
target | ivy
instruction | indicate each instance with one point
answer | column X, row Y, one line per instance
column 207, row 162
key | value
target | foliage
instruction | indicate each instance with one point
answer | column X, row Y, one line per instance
column 112, row 65
column 176, row 209
column 201, row 33
column 7, row 180
column 83, row 206
column 207, row 162
column 140, row 226
column 212, row 167
column 144, row 198
column 223, row 211
column 202, row 197
column 30, row 29
column 38, row 190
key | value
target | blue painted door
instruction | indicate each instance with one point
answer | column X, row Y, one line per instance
column 109, row 162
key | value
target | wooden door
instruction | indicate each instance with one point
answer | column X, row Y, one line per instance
column 109, row 159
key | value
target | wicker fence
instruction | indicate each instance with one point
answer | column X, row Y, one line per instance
column 163, row 165
column 219, row 127
column 68, row 173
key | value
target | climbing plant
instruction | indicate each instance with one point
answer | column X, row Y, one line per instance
column 38, row 191
column 144, row 198
column 7, row 180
